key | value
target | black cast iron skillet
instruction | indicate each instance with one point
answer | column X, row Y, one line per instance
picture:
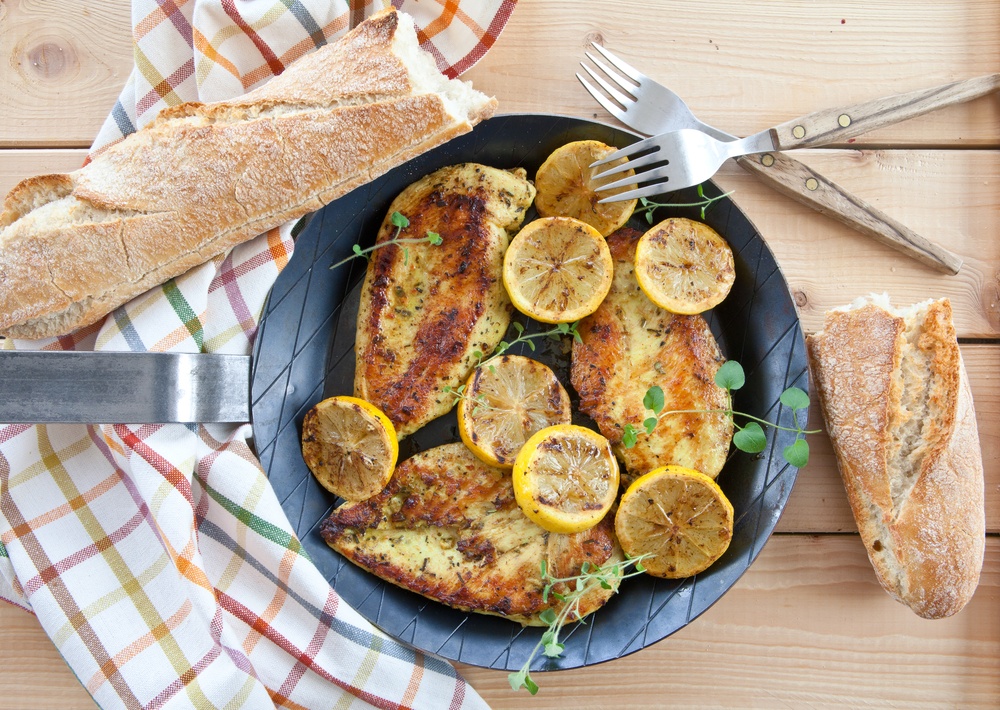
column 304, row 352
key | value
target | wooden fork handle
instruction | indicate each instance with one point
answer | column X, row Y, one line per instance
column 796, row 180
column 839, row 124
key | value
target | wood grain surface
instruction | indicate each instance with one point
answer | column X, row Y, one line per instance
column 808, row 625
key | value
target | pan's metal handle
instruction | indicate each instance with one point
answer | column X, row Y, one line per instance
column 123, row 387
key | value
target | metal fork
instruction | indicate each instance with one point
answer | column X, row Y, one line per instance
column 686, row 157
column 649, row 107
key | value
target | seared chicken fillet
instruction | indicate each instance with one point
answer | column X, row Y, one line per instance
column 630, row 344
column 426, row 309
column 448, row 527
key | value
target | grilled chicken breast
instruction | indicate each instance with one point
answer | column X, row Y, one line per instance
column 630, row 344
column 448, row 527
column 426, row 309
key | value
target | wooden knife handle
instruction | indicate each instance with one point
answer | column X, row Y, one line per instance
column 839, row 124
column 796, row 180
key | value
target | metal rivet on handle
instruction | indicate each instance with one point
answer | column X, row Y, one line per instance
column 767, row 160
column 844, row 120
column 812, row 184
column 799, row 131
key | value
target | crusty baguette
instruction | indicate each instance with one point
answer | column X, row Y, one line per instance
column 898, row 408
column 202, row 178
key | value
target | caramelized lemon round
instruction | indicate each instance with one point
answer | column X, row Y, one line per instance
column 507, row 402
column 350, row 446
column 679, row 518
column 684, row 266
column 566, row 478
column 567, row 188
column 557, row 270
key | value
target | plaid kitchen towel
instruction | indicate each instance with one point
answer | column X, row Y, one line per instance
column 157, row 557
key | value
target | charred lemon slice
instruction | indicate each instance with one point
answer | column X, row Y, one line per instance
column 566, row 478
column 566, row 187
column 557, row 270
column 504, row 404
column 679, row 518
column 684, row 266
column 350, row 446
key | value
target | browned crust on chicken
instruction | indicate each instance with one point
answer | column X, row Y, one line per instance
column 426, row 309
column 630, row 344
column 448, row 527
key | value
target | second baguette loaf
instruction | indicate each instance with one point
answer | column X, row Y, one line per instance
column 898, row 407
column 202, row 178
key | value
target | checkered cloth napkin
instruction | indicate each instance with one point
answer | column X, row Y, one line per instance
column 157, row 557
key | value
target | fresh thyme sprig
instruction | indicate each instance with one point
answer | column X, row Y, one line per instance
column 557, row 332
column 749, row 437
column 607, row 576
column 479, row 400
column 647, row 206
column 400, row 222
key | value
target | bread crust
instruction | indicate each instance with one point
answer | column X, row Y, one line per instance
column 202, row 178
column 899, row 411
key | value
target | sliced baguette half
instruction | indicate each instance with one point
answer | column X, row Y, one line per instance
column 899, row 411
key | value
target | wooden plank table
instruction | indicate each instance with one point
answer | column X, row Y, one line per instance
column 808, row 625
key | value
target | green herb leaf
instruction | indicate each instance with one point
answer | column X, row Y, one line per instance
column 608, row 576
column 797, row 454
column 647, row 206
column 653, row 399
column 556, row 332
column 750, row 439
column 629, row 436
column 399, row 221
column 553, row 650
column 795, row 398
column 522, row 679
column 730, row 376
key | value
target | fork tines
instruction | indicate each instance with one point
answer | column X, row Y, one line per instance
column 626, row 79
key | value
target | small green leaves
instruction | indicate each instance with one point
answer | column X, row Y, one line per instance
column 795, row 398
column 653, row 399
column 630, row 436
column 730, row 376
column 648, row 206
column 522, row 679
column 750, row 439
column 557, row 332
column 400, row 222
column 550, row 643
column 607, row 576
column 797, row 454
